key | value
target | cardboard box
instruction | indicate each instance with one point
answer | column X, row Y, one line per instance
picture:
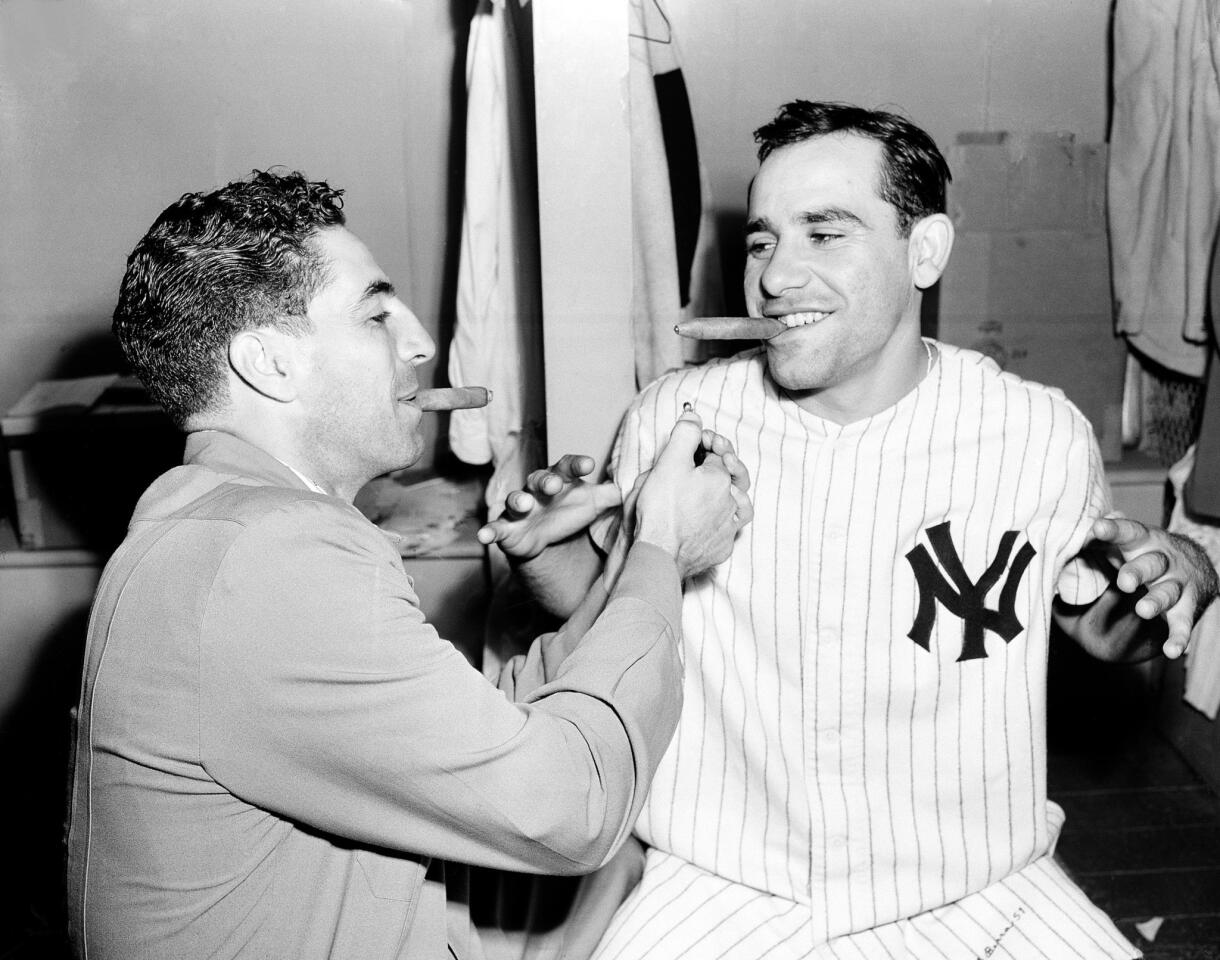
column 1029, row 280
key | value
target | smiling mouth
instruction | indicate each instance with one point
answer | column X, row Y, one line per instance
column 804, row 318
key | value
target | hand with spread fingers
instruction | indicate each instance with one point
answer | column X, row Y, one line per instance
column 1176, row 574
column 557, row 503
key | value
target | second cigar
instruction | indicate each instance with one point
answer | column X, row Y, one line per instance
column 453, row 398
column 730, row 328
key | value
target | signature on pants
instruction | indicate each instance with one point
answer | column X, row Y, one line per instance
column 1016, row 915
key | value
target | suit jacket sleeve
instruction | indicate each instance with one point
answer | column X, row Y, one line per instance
column 331, row 701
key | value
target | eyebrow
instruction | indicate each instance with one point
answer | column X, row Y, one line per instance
column 810, row 218
column 377, row 288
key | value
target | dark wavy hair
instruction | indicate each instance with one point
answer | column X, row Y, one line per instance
column 914, row 174
column 215, row 264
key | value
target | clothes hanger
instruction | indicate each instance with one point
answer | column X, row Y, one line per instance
column 669, row 30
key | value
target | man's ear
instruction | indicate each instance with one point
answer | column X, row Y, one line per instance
column 930, row 245
column 264, row 360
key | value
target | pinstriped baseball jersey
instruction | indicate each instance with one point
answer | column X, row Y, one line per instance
column 860, row 768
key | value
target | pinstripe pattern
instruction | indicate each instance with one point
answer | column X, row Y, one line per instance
column 835, row 789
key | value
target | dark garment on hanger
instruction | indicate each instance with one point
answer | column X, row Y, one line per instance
column 1202, row 490
column 678, row 132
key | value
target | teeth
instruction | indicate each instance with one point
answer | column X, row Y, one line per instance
column 804, row 319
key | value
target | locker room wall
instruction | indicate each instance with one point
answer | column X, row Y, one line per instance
column 950, row 65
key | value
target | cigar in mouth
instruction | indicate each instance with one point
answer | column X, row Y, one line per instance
column 452, row 398
column 730, row 328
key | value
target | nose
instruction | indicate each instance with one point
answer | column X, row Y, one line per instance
column 785, row 270
column 412, row 342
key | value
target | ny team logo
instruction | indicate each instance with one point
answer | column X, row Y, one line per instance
column 963, row 597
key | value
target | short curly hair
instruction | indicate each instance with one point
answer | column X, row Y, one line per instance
column 914, row 174
column 215, row 264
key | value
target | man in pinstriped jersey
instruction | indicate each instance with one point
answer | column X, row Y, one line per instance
column 860, row 767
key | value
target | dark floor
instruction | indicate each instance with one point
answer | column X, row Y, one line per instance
column 1143, row 831
column 1143, row 840
column 1142, row 835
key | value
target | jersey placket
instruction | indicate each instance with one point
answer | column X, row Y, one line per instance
column 826, row 527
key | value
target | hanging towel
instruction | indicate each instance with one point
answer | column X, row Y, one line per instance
column 675, row 255
column 1164, row 175
column 497, row 338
